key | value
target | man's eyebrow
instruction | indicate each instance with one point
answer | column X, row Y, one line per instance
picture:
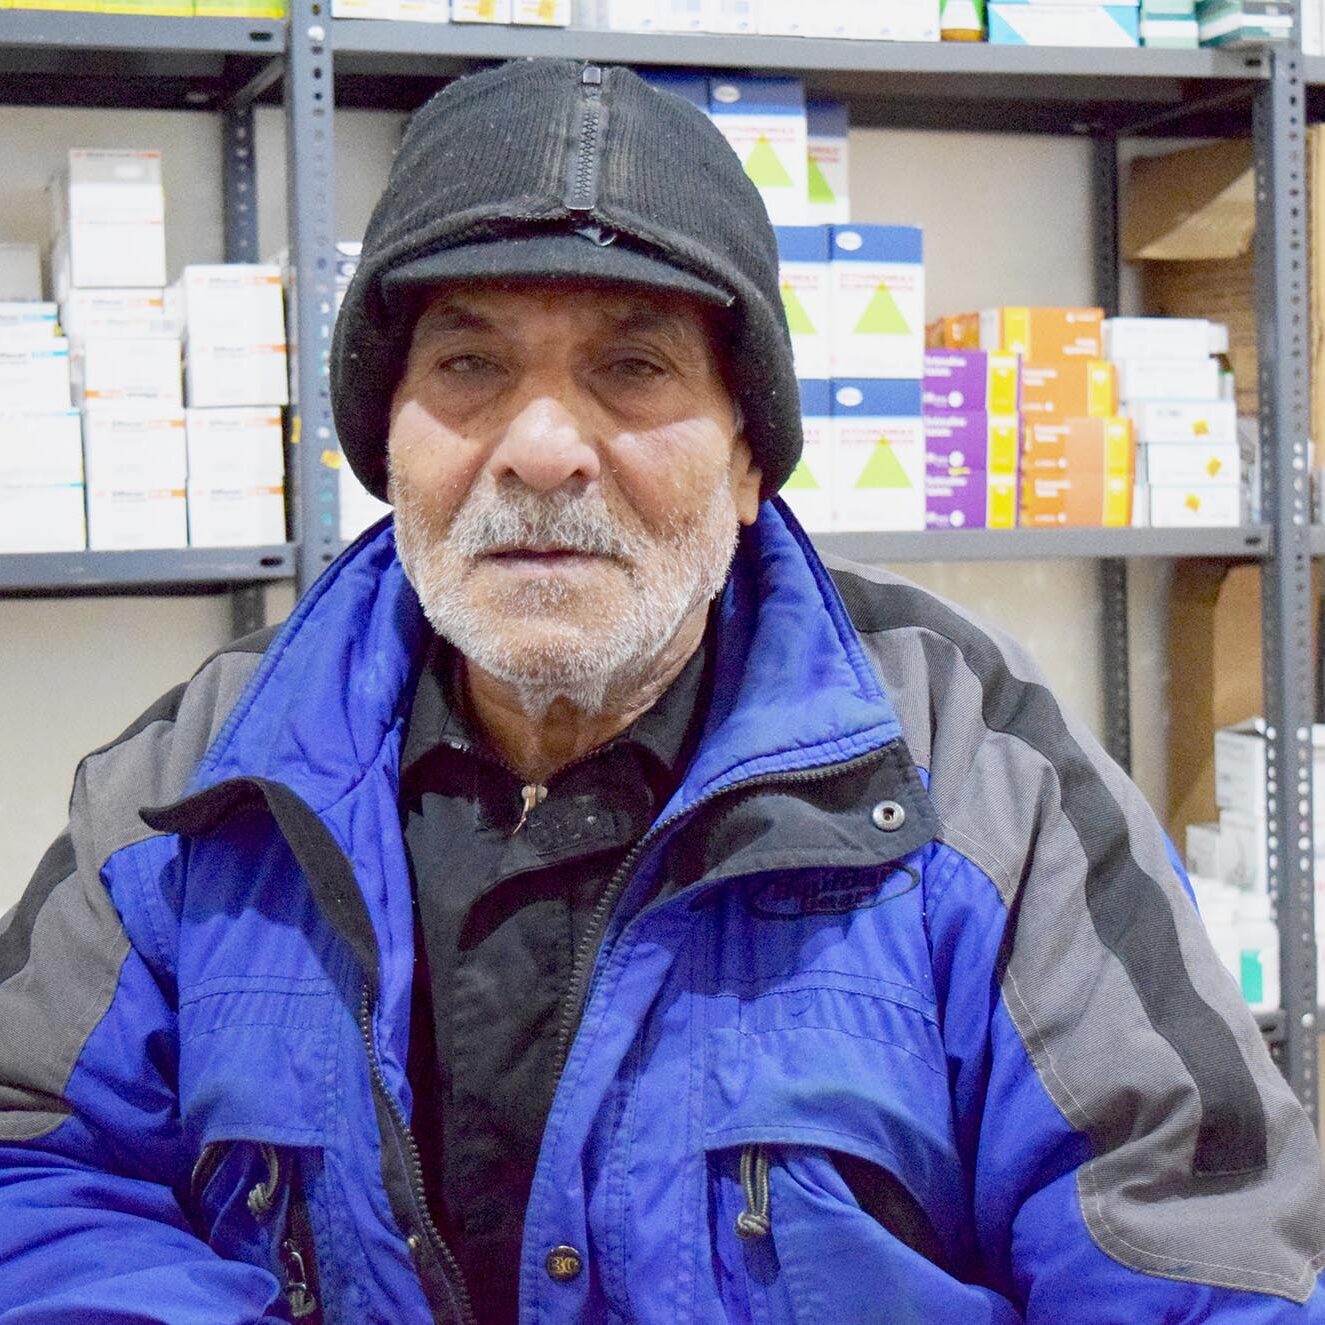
column 450, row 317
column 644, row 320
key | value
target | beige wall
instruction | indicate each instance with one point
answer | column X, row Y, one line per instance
column 1005, row 218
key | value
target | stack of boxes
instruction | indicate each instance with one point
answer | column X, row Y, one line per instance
column 1244, row 22
column 526, row 13
column 1179, row 398
column 237, row 381
column 41, row 451
column 893, row 20
column 108, row 263
column 162, row 8
column 1063, row 23
column 1170, row 24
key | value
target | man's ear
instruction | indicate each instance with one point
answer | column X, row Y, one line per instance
column 746, row 480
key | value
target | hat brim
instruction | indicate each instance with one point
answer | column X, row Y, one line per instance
column 550, row 257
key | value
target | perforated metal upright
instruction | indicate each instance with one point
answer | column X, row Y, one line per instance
column 1282, row 309
column 310, row 174
column 1114, row 651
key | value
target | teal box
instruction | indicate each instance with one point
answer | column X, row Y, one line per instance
column 1171, row 34
column 1016, row 23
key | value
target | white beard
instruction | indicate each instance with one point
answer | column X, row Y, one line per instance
column 604, row 654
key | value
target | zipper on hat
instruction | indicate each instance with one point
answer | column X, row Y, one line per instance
column 582, row 184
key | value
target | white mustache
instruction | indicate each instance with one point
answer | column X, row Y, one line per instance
column 561, row 522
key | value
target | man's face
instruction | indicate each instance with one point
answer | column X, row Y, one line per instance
column 568, row 481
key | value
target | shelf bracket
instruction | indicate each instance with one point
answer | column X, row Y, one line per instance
column 1279, row 133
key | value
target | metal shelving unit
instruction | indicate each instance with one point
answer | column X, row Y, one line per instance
column 313, row 63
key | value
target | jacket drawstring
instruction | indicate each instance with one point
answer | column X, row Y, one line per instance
column 754, row 1221
column 264, row 1193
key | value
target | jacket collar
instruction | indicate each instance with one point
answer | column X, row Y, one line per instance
column 792, row 687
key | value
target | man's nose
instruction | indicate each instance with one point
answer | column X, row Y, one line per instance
column 545, row 446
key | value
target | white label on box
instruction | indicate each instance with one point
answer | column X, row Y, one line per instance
column 1168, row 379
column 1212, row 422
column 1189, row 464
column 236, row 516
column 123, row 515
column 108, row 370
column 34, row 377
column 1195, row 507
column 42, row 517
column 878, row 473
column 878, row 312
column 234, row 304
column 219, row 375
column 235, row 446
column 42, row 448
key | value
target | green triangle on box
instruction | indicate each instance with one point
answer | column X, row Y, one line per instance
column 884, row 469
column 798, row 320
column 882, row 317
column 801, row 479
column 820, row 191
column 764, row 168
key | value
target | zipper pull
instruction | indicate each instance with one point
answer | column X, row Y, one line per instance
column 297, row 1293
column 531, row 795
column 755, row 1221
column 587, row 143
column 264, row 1193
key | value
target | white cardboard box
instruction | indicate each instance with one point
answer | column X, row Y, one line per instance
column 828, row 175
column 123, row 513
column 1195, row 507
column 878, row 455
column 134, row 314
column 42, row 517
column 1168, row 379
column 1204, row 422
column 878, row 292
column 35, row 376
column 235, row 447
column 108, row 370
column 135, row 462
column 809, row 490
column 27, row 321
column 233, row 303
column 222, row 375
column 898, row 20
column 235, row 515
column 786, row 18
column 1186, row 464
column 763, row 120
column 1160, row 337
column 803, row 278
column 1240, row 769
column 1202, row 853
column 20, row 271
column 41, row 449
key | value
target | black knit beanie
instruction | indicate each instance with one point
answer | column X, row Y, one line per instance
column 554, row 169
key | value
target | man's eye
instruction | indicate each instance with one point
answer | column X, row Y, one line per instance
column 467, row 365
column 635, row 369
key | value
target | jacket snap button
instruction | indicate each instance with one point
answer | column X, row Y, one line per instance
column 563, row 1264
column 888, row 816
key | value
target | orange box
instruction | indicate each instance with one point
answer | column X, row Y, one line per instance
column 959, row 332
column 1104, row 446
column 1080, row 498
column 1044, row 334
column 1069, row 389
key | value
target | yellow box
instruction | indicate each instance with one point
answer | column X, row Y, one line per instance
column 151, row 8
column 1069, row 389
column 541, row 13
column 239, row 8
column 1044, row 334
column 1103, row 446
column 85, row 6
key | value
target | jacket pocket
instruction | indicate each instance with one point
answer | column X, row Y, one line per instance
column 247, row 1201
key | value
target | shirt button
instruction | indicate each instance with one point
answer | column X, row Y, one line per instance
column 563, row 1264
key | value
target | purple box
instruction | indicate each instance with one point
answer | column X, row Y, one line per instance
column 972, row 382
column 974, row 441
column 955, row 498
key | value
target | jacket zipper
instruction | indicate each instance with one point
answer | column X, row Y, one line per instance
column 582, row 189
column 586, row 951
column 299, row 1256
column 443, row 1253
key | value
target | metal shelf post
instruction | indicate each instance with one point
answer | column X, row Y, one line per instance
column 310, row 173
column 1114, row 651
column 1279, row 125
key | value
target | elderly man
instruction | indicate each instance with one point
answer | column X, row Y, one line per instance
column 587, row 907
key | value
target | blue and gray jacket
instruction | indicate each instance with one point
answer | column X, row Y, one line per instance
column 900, row 1012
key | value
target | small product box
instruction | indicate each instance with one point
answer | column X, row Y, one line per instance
column 1202, row 506
column 898, row 20
column 427, row 11
column 970, row 471
column 1185, row 464
column 49, row 518
column 826, row 143
column 1043, row 24
column 137, row 314
column 785, row 18
column 968, row 499
column 971, row 382
column 1168, row 379
column 1244, row 22
column 127, row 371
column 1202, row 856
column 764, row 121
column 1069, row 389
column 738, row 16
column 1213, row 422
column 20, row 272
column 1043, row 335
column 878, row 301
column 989, row 442
column 803, row 278
column 135, row 463
column 809, row 490
column 958, row 332
column 1240, row 769
column 1159, row 338
column 41, row 448
column 234, row 303
column 480, row 11
column 216, row 376
column 236, row 483
column 108, row 220
column 1170, row 34
column 879, row 458
column 34, row 375
column 540, row 14
column 681, row 15
column 1243, row 850
column 622, row 16
column 27, row 321
column 1076, row 499
column 1103, row 446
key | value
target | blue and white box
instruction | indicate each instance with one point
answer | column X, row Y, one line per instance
column 1016, row 23
column 878, row 455
column 826, row 141
column 877, row 275
column 809, row 490
column 803, row 280
column 764, row 121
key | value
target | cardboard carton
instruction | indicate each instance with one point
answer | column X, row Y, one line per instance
column 879, row 459
column 1080, row 498
column 803, row 277
column 1063, row 25
column 829, row 200
column 878, row 284
column 809, row 490
column 1103, row 446
column 764, row 121
column 1203, row 505
column 972, row 381
column 1186, row 464
column 1069, row 388
column 1212, row 422
column 1042, row 335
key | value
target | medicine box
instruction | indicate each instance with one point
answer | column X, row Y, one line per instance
column 34, row 375
column 1042, row 335
column 1069, row 388
column 1240, row 769
column 1103, row 446
column 233, row 303
column 480, row 11
column 809, row 490
column 135, row 464
column 1159, row 337
column 1171, row 34
column 1195, row 506
column 134, row 314
column 785, row 18
column 108, row 220
column 959, row 498
column 681, row 15
column 971, row 382
column 763, row 119
column 27, row 321
column 105, row 369
column 803, row 279
column 960, row 331
column 878, row 301
column 20, row 272
column 1040, row 24
column 732, row 16
column 879, row 455
column 1213, row 422
column 47, row 518
column 1168, row 379
column 1202, row 851
column 223, row 375
column 989, row 442
column 898, row 20
column 1189, row 464
column 235, row 444
column 541, row 14
column 41, row 448
column 1076, row 498
column 829, row 200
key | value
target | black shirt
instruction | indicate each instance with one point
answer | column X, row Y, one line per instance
column 501, row 908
